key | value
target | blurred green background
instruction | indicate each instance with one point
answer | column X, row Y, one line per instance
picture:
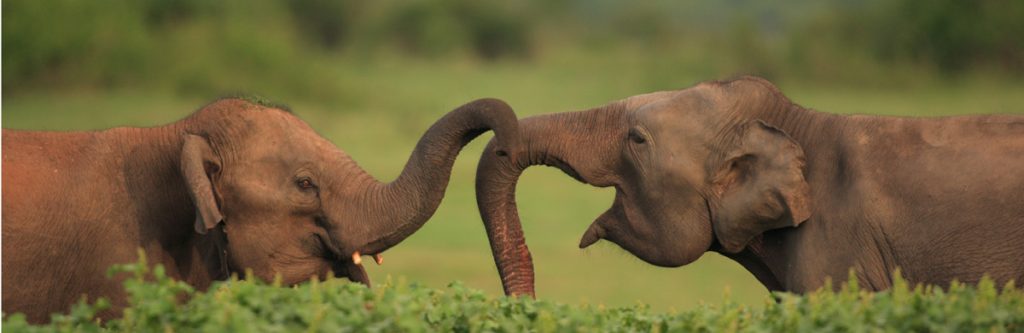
column 371, row 76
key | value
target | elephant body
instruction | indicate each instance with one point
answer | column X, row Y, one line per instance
column 940, row 199
column 237, row 185
column 795, row 196
column 77, row 203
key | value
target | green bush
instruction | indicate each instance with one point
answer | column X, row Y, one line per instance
column 325, row 23
column 46, row 42
column 190, row 47
column 951, row 35
column 439, row 28
column 338, row 306
column 297, row 49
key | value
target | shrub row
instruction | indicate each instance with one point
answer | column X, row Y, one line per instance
column 156, row 304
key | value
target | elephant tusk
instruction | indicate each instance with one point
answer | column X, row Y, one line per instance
column 378, row 258
column 356, row 258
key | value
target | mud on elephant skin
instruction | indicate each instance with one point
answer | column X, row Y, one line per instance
column 238, row 184
column 794, row 195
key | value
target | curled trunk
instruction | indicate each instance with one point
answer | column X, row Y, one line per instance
column 582, row 144
column 399, row 208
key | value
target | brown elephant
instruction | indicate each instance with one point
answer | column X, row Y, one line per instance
column 793, row 195
column 238, row 184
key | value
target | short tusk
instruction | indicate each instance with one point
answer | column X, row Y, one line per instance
column 378, row 258
column 356, row 258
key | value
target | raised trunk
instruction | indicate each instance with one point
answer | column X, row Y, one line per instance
column 404, row 205
column 582, row 144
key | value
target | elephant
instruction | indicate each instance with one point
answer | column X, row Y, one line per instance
column 238, row 186
column 795, row 196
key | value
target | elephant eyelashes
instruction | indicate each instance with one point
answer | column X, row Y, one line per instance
column 636, row 137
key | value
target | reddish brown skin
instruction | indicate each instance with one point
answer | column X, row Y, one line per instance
column 207, row 196
column 794, row 195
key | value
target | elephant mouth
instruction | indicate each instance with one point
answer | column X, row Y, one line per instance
column 615, row 215
column 355, row 273
column 352, row 268
column 567, row 169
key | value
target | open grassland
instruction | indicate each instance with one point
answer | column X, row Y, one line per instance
column 383, row 107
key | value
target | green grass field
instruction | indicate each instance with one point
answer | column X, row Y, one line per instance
column 383, row 109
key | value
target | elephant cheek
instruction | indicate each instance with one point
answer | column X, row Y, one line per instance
column 674, row 242
column 690, row 243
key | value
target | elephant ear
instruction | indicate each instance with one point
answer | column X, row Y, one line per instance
column 759, row 186
column 198, row 165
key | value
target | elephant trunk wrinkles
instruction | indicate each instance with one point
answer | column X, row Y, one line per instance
column 578, row 143
column 405, row 204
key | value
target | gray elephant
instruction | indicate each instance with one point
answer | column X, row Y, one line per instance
column 793, row 195
column 238, row 184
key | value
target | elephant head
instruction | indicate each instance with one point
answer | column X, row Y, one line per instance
column 693, row 170
column 289, row 202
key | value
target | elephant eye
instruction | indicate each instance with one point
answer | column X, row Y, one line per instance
column 636, row 137
column 305, row 183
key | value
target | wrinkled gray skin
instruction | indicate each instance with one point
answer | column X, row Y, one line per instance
column 794, row 195
column 236, row 185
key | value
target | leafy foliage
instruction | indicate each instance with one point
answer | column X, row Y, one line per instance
column 199, row 48
column 156, row 304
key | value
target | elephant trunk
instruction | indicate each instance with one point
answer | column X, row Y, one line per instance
column 581, row 144
column 399, row 208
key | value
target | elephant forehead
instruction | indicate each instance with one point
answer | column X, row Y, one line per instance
column 684, row 116
column 639, row 101
column 284, row 130
column 290, row 136
column 277, row 122
column 679, row 132
column 695, row 98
